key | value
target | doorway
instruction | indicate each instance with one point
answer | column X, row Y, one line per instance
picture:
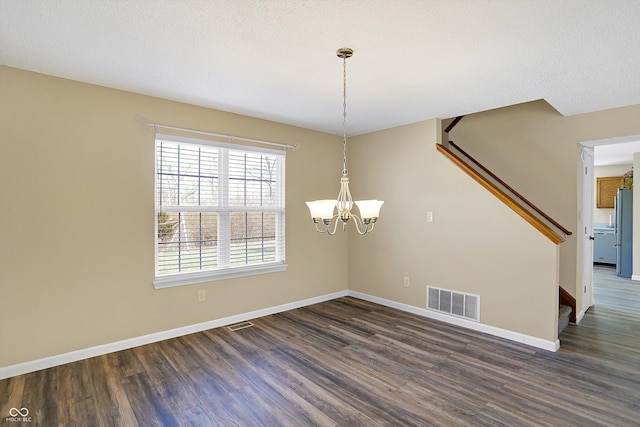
column 593, row 154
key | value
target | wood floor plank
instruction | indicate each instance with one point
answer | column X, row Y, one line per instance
column 196, row 417
column 147, row 403
column 510, row 416
column 296, row 379
column 215, row 400
column 167, row 383
column 11, row 394
column 125, row 362
column 39, row 388
column 123, row 414
column 96, row 376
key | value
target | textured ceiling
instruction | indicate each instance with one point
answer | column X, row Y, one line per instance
column 275, row 59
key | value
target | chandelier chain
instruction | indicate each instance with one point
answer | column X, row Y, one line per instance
column 344, row 116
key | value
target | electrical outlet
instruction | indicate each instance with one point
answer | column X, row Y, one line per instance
column 406, row 282
column 202, row 295
column 429, row 216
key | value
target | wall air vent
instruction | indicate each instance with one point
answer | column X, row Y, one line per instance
column 454, row 303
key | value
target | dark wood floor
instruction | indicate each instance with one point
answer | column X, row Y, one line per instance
column 348, row 362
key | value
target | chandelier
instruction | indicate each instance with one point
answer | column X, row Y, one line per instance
column 322, row 211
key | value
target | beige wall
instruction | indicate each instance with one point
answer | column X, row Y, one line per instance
column 601, row 215
column 76, row 218
column 535, row 149
column 475, row 243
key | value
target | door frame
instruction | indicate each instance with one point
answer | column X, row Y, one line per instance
column 585, row 287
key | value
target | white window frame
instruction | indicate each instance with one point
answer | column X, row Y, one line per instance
column 223, row 209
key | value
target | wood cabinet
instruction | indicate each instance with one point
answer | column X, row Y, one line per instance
column 606, row 189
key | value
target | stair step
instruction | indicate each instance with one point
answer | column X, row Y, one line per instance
column 563, row 317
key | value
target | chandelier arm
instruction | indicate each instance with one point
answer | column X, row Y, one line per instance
column 335, row 225
column 321, row 230
column 327, row 225
column 361, row 227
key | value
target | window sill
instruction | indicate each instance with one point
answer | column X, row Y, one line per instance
column 171, row 280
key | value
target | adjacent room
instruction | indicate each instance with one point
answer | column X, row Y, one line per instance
column 328, row 213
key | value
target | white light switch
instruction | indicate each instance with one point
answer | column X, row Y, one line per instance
column 429, row 216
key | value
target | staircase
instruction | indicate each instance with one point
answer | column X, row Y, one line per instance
column 518, row 203
column 567, row 311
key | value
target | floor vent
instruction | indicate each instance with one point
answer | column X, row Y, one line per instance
column 454, row 303
column 238, row 326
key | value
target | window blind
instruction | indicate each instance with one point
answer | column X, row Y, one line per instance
column 219, row 210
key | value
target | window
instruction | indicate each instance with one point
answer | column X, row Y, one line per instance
column 219, row 211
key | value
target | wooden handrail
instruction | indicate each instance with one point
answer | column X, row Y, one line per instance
column 503, row 196
column 453, row 124
column 508, row 187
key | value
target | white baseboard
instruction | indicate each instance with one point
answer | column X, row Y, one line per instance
column 579, row 316
column 480, row 327
column 635, row 277
column 74, row 356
